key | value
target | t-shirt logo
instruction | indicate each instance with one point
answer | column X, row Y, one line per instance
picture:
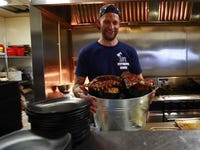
column 123, row 64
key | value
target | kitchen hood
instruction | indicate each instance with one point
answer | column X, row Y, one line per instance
column 133, row 12
column 15, row 8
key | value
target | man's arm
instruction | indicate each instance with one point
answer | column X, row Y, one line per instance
column 140, row 76
column 80, row 91
column 78, row 88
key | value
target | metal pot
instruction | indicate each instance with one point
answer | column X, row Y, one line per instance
column 121, row 114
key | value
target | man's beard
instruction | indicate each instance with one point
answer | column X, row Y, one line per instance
column 109, row 38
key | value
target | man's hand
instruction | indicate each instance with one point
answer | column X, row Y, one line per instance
column 152, row 96
column 81, row 92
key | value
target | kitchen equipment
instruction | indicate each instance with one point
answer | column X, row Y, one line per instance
column 25, row 139
column 55, row 117
column 177, row 97
column 121, row 114
column 64, row 88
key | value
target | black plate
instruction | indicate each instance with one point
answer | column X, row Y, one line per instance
column 58, row 105
column 58, row 122
column 56, row 126
column 60, row 113
column 67, row 123
column 61, row 123
column 56, row 115
column 79, row 139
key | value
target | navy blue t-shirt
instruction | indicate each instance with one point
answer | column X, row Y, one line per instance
column 96, row 59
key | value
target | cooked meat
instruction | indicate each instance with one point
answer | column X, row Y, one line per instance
column 149, row 83
column 105, row 83
column 127, row 85
column 130, row 79
column 135, row 87
column 112, row 90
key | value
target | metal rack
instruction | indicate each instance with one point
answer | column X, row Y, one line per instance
column 6, row 62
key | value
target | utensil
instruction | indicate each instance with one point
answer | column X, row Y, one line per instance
column 64, row 88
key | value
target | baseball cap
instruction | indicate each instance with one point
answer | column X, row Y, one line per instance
column 109, row 8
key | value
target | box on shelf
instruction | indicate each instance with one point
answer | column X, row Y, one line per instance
column 16, row 51
column 12, row 76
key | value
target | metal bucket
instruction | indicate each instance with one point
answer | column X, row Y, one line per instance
column 121, row 114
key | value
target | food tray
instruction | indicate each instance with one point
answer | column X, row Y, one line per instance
column 188, row 123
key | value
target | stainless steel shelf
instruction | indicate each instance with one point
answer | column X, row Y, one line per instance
column 2, row 54
column 16, row 57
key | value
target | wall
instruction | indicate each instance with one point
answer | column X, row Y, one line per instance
column 2, row 29
column 18, row 31
column 15, row 30
column 163, row 50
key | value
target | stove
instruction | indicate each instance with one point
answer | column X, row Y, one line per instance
column 178, row 86
column 177, row 97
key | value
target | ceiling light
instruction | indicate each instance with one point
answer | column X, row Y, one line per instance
column 3, row 2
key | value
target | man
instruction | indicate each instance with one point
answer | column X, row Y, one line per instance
column 107, row 55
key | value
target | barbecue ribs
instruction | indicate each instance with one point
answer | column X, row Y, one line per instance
column 127, row 85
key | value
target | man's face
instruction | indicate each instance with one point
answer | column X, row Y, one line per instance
column 109, row 25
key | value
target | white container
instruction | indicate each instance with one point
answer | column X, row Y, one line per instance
column 12, row 76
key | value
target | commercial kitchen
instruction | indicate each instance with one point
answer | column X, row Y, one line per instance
column 166, row 35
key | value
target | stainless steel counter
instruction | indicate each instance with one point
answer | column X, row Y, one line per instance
column 142, row 140
column 177, row 98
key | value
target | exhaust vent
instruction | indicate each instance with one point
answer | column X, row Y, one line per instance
column 140, row 12
column 174, row 10
column 134, row 11
column 85, row 13
column 131, row 11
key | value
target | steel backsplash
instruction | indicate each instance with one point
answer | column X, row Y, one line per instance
column 162, row 50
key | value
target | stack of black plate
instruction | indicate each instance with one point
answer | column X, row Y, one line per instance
column 53, row 118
